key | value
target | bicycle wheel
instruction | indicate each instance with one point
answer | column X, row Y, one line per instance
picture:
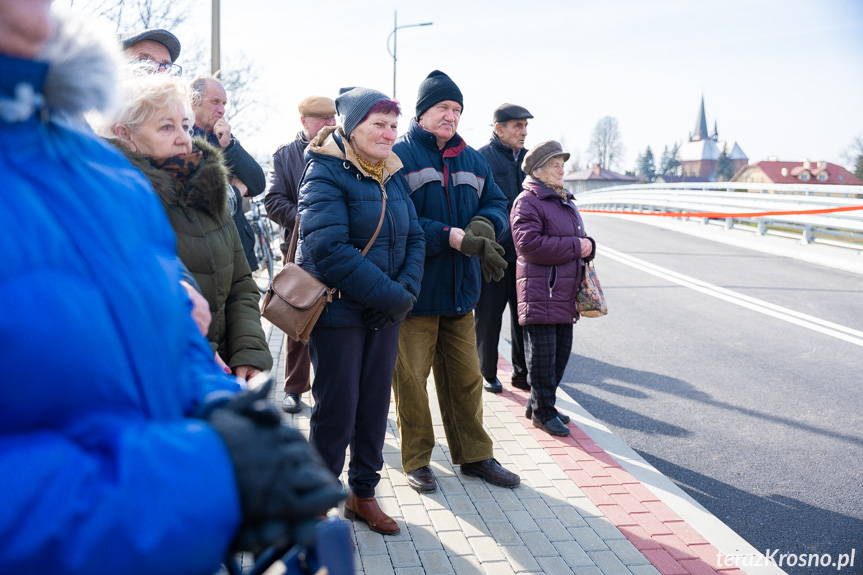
column 264, row 274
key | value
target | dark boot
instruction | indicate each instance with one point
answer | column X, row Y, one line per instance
column 564, row 418
column 553, row 426
column 366, row 509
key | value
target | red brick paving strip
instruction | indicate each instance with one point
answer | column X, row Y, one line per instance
column 666, row 540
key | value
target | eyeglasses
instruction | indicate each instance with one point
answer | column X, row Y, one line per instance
column 153, row 66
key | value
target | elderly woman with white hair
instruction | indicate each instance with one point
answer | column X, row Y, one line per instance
column 552, row 249
column 152, row 127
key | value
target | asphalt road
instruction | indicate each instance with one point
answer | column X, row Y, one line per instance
column 758, row 419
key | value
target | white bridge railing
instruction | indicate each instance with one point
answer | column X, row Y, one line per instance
column 764, row 208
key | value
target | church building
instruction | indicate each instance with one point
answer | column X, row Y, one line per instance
column 700, row 155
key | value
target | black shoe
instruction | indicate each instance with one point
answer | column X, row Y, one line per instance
column 492, row 472
column 521, row 384
column 564, row 418
column 553, row 426
column 291, row 403
column 422, row 480
column 492, row 385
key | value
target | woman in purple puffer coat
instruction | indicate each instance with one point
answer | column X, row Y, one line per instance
column 552, row 249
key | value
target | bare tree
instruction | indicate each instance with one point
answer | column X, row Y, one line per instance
column 238, row 76
column 166, row 14
column 853, row 156
column 127, row 15
column 574, row 163
column 605, row 146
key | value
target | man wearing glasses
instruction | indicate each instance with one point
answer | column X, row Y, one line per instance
column 156, row 48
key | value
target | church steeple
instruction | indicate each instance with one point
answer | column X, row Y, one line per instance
column 715, row 135
column 700, row 125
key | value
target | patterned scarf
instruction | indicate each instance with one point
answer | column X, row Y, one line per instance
column 376, row 169
column 560, row 191
column 180, row 167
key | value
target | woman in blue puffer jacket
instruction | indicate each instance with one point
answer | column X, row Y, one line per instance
column 108, row 463
column 351, row 188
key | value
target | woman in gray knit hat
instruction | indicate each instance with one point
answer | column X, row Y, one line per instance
column 552, row 249
column 358, row 233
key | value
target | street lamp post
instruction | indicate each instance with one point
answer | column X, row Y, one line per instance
column 215, row 53
column 394, row 36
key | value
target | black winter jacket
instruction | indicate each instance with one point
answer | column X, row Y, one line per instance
column 508, row 176
column 283, row 183
column 241, row 164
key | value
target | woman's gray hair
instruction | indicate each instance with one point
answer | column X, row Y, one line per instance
column 142, row 97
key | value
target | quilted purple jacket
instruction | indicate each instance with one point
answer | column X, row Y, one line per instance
column 546, row 231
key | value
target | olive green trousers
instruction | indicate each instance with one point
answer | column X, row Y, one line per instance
column 447, row 344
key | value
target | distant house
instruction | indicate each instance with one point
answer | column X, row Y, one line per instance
column 595, row 177
column 700, row 155
column 660, row 179
column 802, row 172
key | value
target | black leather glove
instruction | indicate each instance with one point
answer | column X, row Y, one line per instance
column 481, row 227
column 282, row 481
column 407, row 287
column 404, row 307
column 491, row 261
column 374, row 319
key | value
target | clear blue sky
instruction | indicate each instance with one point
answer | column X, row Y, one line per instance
column 781, row 77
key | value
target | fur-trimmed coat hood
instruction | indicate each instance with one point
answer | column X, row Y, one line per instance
column 207, row 187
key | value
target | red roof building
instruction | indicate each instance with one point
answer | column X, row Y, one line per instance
column 803, row 172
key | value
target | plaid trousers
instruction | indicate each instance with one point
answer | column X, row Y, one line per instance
column 546, row 352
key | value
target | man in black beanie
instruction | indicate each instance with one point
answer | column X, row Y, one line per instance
column 505, row 153
column 463, row 215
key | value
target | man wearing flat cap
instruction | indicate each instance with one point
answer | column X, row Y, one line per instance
column 155, row 48
column 463, row 216
column 283, row 183
column 505, row 152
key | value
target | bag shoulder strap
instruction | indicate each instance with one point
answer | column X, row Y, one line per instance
column 380, row 223
column 292, row 250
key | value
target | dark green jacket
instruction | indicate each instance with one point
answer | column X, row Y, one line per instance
column 209, row 245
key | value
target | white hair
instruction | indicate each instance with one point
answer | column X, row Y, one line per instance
column 142, row 97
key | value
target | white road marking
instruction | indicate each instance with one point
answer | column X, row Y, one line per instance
column 803, row 320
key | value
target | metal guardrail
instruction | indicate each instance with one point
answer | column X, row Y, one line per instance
column 742, row 201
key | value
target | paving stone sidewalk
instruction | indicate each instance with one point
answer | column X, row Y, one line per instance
column 577, row 509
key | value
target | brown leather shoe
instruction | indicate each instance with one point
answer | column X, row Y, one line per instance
column 422, row 480
column 492, row 472
column 367, row 510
